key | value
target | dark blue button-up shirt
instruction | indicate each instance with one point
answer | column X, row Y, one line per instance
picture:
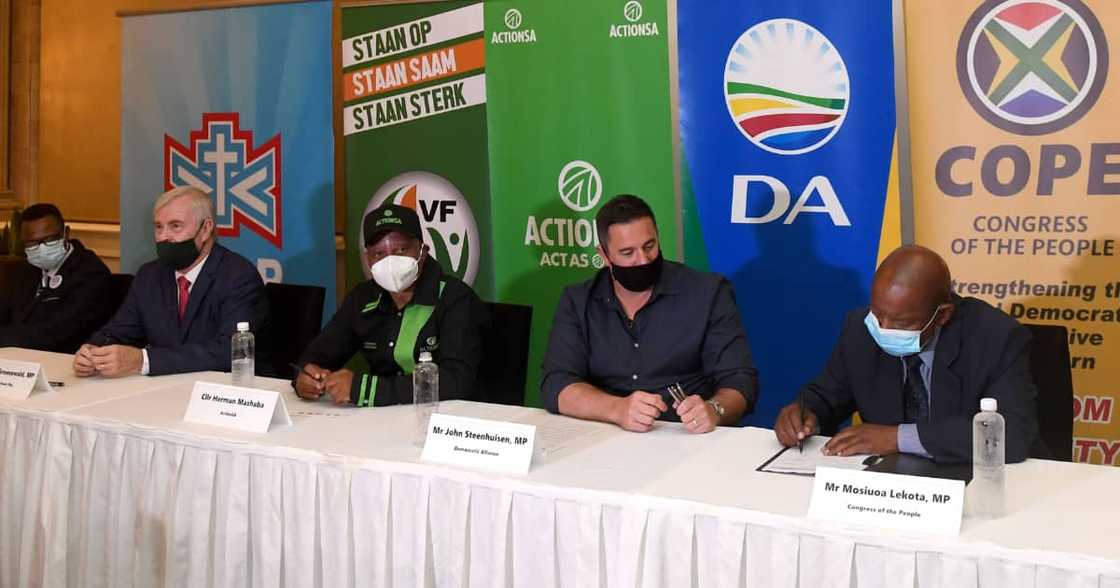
column 689, row 333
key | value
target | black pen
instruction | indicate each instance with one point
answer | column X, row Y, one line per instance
column 303, row 369
column 56, row 384
column 801, row 417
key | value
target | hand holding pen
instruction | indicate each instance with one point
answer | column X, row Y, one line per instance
column 795, row 424
column 311, row 382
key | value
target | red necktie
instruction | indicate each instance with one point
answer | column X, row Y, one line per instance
column 184, row 294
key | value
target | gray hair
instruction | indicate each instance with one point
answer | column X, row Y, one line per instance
column 200, row 201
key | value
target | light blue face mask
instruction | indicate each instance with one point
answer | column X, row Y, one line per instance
column 896, row 342
column 47, row 256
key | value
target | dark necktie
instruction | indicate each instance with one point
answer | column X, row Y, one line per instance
column 184, row 296
column 915, row 399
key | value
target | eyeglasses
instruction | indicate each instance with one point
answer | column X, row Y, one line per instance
column 50, row 241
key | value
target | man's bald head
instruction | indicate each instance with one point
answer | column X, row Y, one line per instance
column 910, row 284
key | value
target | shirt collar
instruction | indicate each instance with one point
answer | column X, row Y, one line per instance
column 192, row 275
column 926, row 354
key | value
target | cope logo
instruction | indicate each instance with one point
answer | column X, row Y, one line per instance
column 244, row 180
column 580, row 185
column 1032, row 67
column 446, row 219
column 786, row 87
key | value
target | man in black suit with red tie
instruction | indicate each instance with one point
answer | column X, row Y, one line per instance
column 182, row 308
column 915, row 365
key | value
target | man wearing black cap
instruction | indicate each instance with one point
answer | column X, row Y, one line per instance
column 410, row 306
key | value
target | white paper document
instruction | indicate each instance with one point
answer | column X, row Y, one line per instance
column 791, row 461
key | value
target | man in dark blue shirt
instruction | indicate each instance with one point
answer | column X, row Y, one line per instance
column 641, row 325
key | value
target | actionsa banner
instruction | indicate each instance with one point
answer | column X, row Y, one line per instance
column 580, row 111
column 237, row 103
column 414, row 92
column 1016, row 163
column 788, row 130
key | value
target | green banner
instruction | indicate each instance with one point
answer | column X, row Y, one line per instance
column 414, row 120
column 579, row 111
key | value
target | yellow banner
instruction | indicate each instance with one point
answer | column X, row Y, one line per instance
column 1015, row 139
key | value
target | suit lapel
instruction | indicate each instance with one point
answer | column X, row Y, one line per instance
column 888, row 386
column 199, row 289
column 945, row 398
column 168, row 299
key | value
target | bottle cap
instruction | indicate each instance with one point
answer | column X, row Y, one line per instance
column 243, row 327
column 988, row 404
column 425, row 356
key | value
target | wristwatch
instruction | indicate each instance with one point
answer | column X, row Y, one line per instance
column 716, row 405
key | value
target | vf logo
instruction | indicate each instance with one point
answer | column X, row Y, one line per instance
column 513, row 18
column 632, row 11
column 580, row 185
column 446, row 219
column 243, row 179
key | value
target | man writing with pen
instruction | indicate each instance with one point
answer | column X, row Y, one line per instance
column 647, row 339
column 410, row 306
column 915, row 365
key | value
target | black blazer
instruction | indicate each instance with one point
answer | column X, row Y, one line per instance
column 228, row 290
column 980, row 353
column 59, row 319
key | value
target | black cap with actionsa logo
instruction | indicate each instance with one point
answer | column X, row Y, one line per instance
column 391, row 217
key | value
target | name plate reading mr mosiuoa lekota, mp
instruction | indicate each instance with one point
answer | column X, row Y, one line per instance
column 908, row 503
column 234, row 407
column 478, row 443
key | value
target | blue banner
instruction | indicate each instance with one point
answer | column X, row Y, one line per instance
column 788, row 130
column 236, row 102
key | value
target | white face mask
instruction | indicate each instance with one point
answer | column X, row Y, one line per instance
column 396, row 273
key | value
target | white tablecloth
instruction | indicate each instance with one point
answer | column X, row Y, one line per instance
column 122, row 493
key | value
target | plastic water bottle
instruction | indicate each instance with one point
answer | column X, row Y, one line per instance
column 425, row 394
column 242, row 356
column 986, row 492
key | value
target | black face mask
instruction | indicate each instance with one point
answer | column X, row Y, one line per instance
column 179, row 255
column 638, row 278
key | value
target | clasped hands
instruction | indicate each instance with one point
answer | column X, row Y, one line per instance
column 314, row 381
column 638, row 411
column 111, row 361
column 794, row 425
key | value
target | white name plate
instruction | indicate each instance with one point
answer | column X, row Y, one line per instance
column 478, row 443
column 234, row 407
column 18, row 379
column 908, row 503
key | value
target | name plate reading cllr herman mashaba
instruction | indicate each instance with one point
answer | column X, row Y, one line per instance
column 479, row 443
column 908, row 503
column 234, row 407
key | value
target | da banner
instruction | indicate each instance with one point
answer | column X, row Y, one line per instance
column 1016, row 163
column 579, row 97
column 236, row 102
column 787, row 124
column 414, row 118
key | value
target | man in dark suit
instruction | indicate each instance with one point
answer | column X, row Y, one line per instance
column 183, row 308
column 65, row 292
column 915, row 365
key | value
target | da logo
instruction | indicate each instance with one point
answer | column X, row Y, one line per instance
column 243, row 179
column 1032, row 67
column 786, row 86
column 513, row 18
column 445, row 218
column 580, row 185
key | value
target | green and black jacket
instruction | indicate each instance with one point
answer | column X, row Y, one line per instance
column 445, row 318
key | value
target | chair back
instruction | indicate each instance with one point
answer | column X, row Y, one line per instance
column 295, row 319
column 1050, row 368
column 505, row 354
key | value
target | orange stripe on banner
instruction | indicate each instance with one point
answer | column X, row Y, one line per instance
column 890, row 236
column 416, row 69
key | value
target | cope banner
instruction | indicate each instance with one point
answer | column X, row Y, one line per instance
column 788, row 131
column 1016, row 163
column 580, row 112
column 237, row 103
column 414, row 118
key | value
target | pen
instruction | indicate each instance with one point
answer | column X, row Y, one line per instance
column 56, row 384
column 303, row 369
column 801, row 417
